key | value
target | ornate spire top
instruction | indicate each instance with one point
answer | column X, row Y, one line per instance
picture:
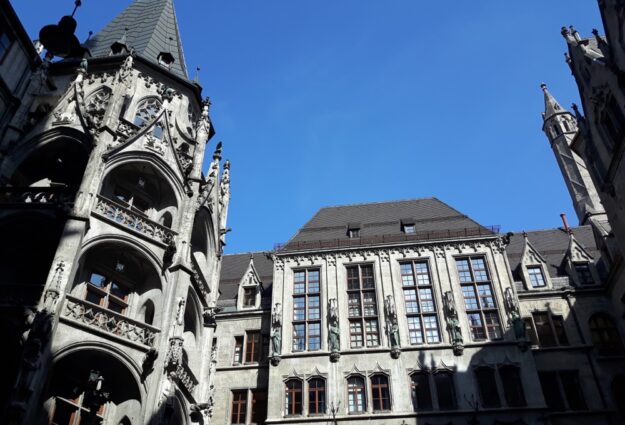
column 151, row 28
column 552, row 107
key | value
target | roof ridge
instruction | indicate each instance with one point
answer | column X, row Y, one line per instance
column 583, row 226
column 249, row 252
column 378, row 202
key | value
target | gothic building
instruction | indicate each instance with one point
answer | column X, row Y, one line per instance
column 118, row 306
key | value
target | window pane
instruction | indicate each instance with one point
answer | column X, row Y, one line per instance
column 546, row 338
column 414, row 329
column 380, row 393
column 512, row 386
column 353, row 301
column 313, row 307
column 373, row 333
column 551, row 390
column 537, row 279
column 353, row 278
column 355, row 334
column 238, row 350
column 293, row 397
column 492, row 324
column 94, row 297
column 427, row 300
column 119, row 290
column 407, row 278
column 445, row 390
column 423, row 274
column 316, row 396
column 299, row 308
column 410, row 296
column 487, row 386
column 356, row 395
column 313, row 281
column 239, row 407
column 369, row 303
column 259, row 407
column 314, row 336
column 558, row 324
column 479, row 269
column 421, row 395
column 464, row 272
column 470, row 299
column 299, row 282
column 299, row 337
column 572, row 390
column 431, row 329
column 367, row 277
column 477, row 329
column 97, row 280
column 486, row 296
column 583, row 272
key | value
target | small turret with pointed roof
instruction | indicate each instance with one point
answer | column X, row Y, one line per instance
column 150, row 28
column 552, row 107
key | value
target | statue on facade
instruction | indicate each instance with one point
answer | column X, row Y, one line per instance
column 334, row 334
column 515, row 320
column 453, row 323
column 276, row 333
column 392, row 326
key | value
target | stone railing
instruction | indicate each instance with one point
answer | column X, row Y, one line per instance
column 97, row 317
column 36, row 196
column 120, row 214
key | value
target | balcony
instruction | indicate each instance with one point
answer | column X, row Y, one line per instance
column 120, row 215
column 100, row 319
column 198, row 279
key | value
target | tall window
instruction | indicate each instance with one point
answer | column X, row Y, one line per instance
column 380, row 394
column 487, row 386
column 356, row 396
column 362, row 307
column 546, row 330
column 238, row 350
column 512, row 385
column 316, row 396
column 306, row 311
column 583, row 273
column 107, row 291
column 562, row 390
column 259, row 406
column 147, row 110
column 252, row 347
column 239, row 407
column 479, row 300
column 76, row 411
column 605, row 336
column 445, row 390
column 537, row 279
column 420, row 304
column 293, row 397
column 420, row 389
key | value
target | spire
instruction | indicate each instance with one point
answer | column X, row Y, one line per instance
column 150, row 28
column 552, row 107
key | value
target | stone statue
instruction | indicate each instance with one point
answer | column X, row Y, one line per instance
column 518, row 326
column 276, row 330
column 334, row 334
column 453, row 324
column 392, row 326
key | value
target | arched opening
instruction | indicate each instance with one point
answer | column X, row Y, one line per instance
column 356, row 394
column 141, row 189
column 59, row 163
column 120, row 279
column 88, row 385
column 191, row 332
column 202, row 243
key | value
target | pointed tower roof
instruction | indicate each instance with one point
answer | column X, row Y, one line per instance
column 149, row 27
column 552, row 107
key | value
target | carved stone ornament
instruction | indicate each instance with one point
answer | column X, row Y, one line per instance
column 453, row 323
column 392, row 326
column 334, row 334
column 276, row 333
column 96, row 106
column 515, row 320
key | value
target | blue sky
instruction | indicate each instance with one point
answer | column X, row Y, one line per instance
column 336, row 102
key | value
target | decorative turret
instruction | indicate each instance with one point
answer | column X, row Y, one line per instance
column 561, row 129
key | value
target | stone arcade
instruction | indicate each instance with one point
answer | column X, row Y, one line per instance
column 118, row 306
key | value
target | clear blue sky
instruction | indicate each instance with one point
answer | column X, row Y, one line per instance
column 332, row 102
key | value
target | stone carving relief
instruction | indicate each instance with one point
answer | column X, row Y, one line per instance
column 453, row 323
column 276, row 333
column 334, row 334
column 515, row 320
column 96, row 106
column 392, row 326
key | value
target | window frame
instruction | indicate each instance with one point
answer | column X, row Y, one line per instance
column 558, row 334
column 611, row 341
column 494, row 403
column 417, row 277
column 531, row 275
column 363, row 394
column 307, row 322
column 368, row 324
column 105, row 293
column 584, row 276
column 295, row 391
column 561, row 402
column 318, row 399
column 378, row 393
column 242, row 401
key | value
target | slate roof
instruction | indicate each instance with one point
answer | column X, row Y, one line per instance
column 552, row 244
column 232, row 268
column 381, row 222
column 152, row 28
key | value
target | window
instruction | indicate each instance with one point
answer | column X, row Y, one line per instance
column 546, row 330
column 380, row 393
column 259, row 406
column 420, row 389
column 316, row 396
column 420, row 304
column 546, row 334
column 479, row 300
column 249, row 297
column 562, row 390
column 165, row 59
column 409, row 228
column 537, row 279
column 71, row 412
column 239, row 407
column 252, row 347
column 445, row 390
column 583, row 274
column 147, row 111
column 605, row 336
column 106, row 291
column 238, row 350
column 5, row 41
column 356, row 400
column 512, row 385
column 306, row 310
column 353, row 233
column 487, row 386
column 293, row 401
column 362, row 307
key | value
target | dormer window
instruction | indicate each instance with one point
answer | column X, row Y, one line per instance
column 537, row 279
column 118, row 48
column 249, row 297
column 165, row 59
column 584, row 274
column 353, row 230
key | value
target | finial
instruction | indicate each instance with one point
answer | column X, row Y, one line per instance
column 564, row 31
column 524, row 234
column 217, row 153
column 543, row 86
column 89, row 36
column 197, row 75
column 77, row 4
column 578, row 115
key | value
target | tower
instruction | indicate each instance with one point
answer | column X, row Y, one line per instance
column 560, row 127
column 102, row 176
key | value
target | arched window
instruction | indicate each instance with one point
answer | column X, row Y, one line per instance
column 421, row 393
column 512, row 385
column 293, row 397
column 316, row 396
column 147, row 110
column 356, row 395
column 605, row 336
column 487, row 385
column 381, row 395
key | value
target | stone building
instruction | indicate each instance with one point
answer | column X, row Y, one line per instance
column 118, row 306
column 114, row 233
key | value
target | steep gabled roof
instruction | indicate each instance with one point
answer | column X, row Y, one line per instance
column 381, row 222
column 149, row 27
column 234, row 266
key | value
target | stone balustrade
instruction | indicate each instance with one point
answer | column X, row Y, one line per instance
column 120, row 214
column 95, row 316
column 36, row 196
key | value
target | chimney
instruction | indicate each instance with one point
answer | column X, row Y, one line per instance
column 565, row 223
